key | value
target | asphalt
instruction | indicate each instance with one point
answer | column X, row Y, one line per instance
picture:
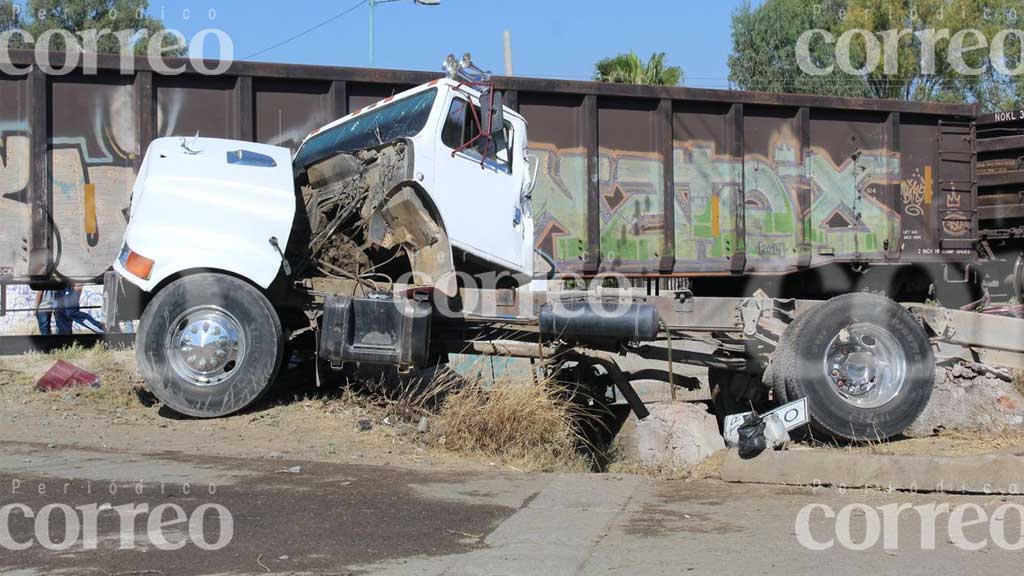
column 351, row 519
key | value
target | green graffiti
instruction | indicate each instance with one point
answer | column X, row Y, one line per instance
column 846, row 216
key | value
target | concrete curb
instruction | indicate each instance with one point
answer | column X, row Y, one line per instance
column 981, row 474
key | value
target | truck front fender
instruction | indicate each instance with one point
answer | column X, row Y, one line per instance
column 257, row 262
column 200, row 207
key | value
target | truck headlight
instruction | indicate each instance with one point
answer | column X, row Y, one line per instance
column 137, row 264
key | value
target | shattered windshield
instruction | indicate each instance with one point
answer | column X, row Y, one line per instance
column 401, row 119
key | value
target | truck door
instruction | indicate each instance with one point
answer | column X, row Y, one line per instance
column 482, row 197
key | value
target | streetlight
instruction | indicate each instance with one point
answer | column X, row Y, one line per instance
column 375, row 2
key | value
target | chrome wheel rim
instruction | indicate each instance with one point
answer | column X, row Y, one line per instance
column 206, row 345
column 865, row 365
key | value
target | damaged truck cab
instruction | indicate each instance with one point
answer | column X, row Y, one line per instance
column 427, row 179
column 226, row 238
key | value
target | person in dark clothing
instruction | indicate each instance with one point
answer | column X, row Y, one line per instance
column 44, row 311
column 67, row 302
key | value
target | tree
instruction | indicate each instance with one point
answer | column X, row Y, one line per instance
column 9, row 17
column 910, row 80
column 629, row 69
column 765, row 39
column 76, row 16
column 764, row 48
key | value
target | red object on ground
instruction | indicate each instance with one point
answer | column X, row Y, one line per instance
column 64, row 375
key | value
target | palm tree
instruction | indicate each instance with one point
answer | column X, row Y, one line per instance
column 629, row 69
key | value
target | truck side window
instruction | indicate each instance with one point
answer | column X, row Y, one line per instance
column 460, row 128
column 454, row 125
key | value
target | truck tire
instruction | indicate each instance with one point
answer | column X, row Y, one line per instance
column 209, row 345
column 774, row 376
column 864, row 364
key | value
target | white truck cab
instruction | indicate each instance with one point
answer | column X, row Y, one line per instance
column 204, row 203
column 220, row 244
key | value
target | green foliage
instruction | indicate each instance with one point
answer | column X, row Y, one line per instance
column 76, row 16
column 765, row 39
column 629, row 69
column 764, row 49
column 8, row 17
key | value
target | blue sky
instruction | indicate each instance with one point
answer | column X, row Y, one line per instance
column 550, row 38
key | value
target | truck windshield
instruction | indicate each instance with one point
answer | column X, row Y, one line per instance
column 401, row 119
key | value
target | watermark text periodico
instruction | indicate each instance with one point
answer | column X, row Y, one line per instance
column 60, row 526
column 79, row 50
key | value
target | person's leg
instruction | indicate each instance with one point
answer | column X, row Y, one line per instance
column 43, row 319
column 86, row 319
column 64, row 323
column 73, row 303
column 60, row 306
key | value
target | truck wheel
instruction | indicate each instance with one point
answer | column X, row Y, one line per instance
column 209, row 345
column 774, row 376
column 863, row 363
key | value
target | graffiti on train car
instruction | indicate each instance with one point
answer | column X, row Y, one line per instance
column 847, row 216
column 14, row 212
column 92, row 147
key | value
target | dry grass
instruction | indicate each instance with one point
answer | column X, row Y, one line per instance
column 513, row 420
column 533, row 425
column 119, row 381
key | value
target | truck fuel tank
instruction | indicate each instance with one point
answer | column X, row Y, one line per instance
column 375, row 330
column 604, row 320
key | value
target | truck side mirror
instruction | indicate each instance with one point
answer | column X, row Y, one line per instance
column 492, row 111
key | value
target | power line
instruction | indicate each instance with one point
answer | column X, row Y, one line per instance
column 308, row 30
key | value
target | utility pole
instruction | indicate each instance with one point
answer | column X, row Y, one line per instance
column 508, row 52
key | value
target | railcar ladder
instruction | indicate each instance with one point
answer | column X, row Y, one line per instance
column 957, row 187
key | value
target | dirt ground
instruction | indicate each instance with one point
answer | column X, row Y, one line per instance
column 299, row 421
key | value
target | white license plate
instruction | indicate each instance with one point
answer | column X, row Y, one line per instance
column 793, row 415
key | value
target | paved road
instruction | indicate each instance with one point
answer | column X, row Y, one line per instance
column 347, row 519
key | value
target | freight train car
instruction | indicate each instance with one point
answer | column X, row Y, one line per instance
column 799, row 195
column 1000, row 208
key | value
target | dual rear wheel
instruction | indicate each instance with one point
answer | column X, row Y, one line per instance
column 862, row 361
